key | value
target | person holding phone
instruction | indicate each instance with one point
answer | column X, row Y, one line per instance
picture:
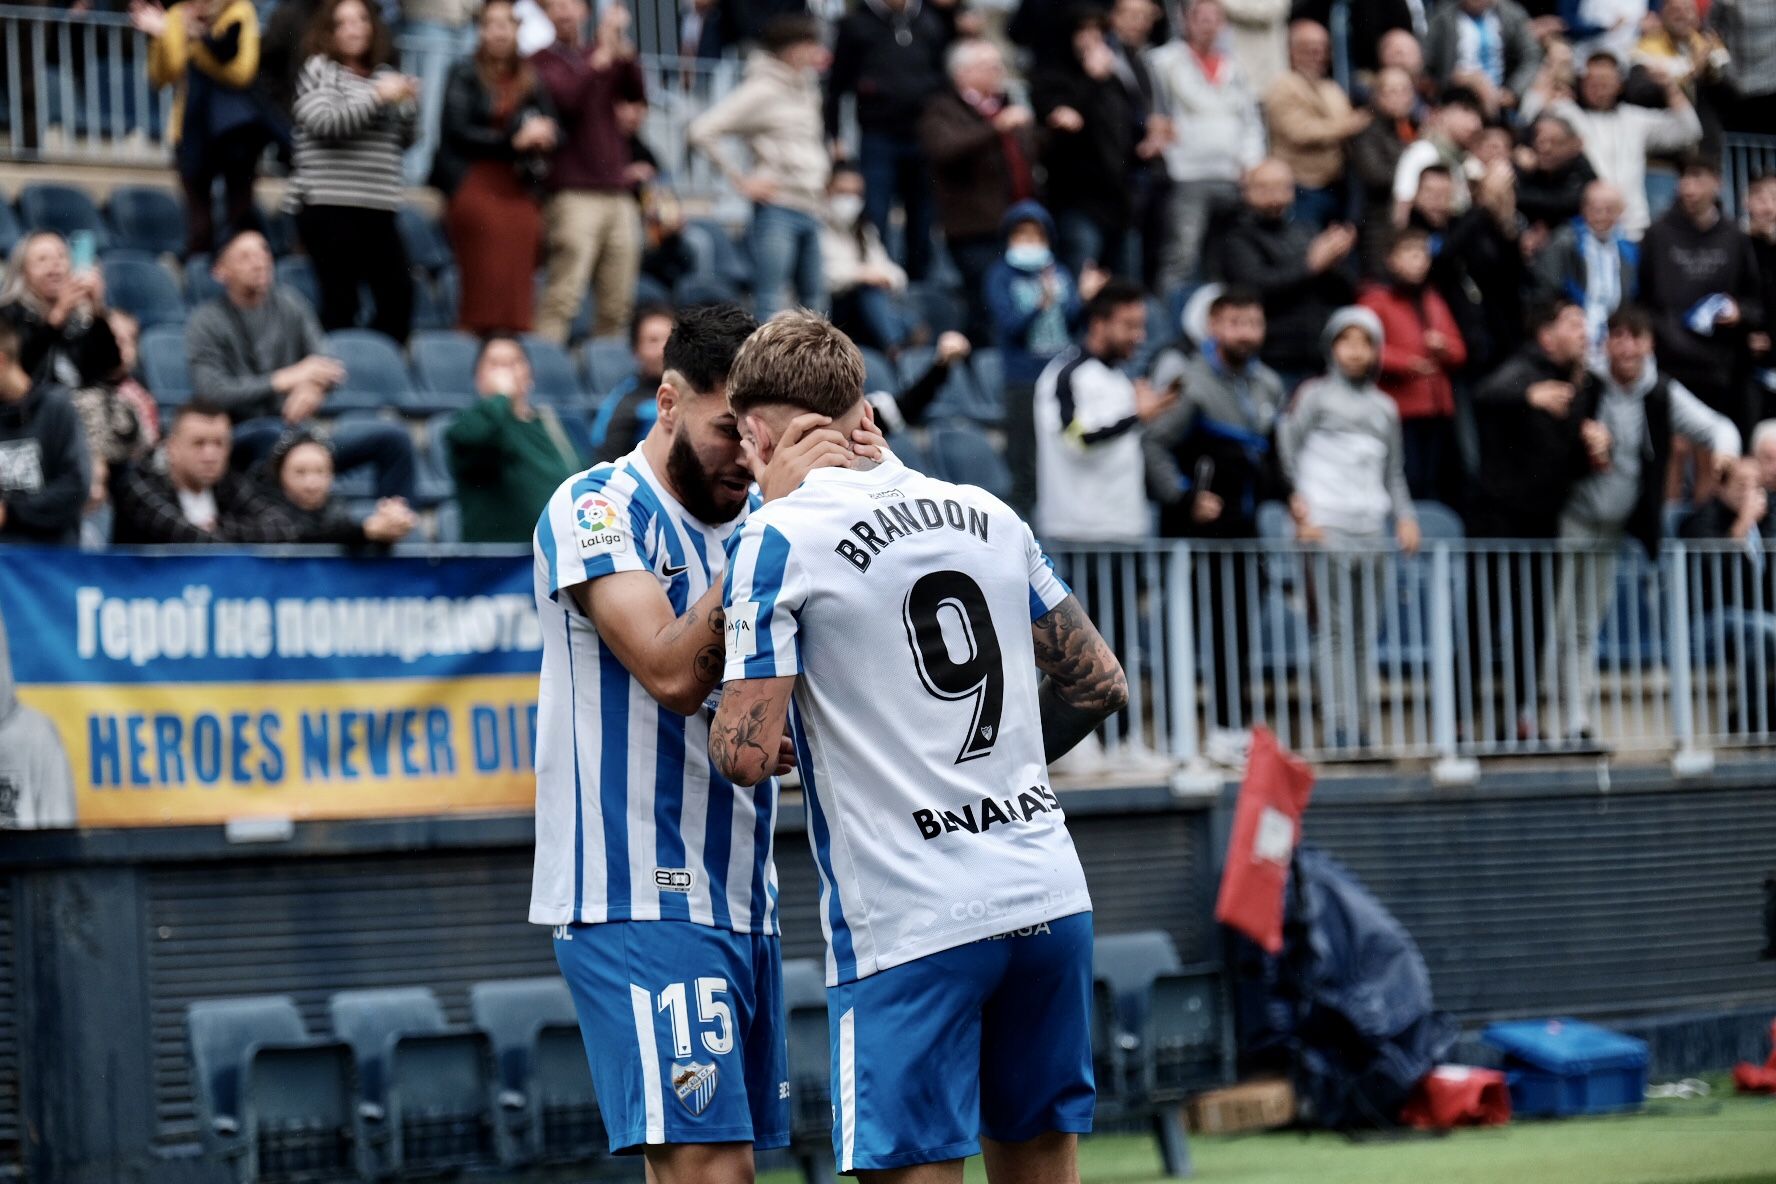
column 54, row 295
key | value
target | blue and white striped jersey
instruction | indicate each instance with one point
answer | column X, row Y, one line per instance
column 905, row 603
column 632, row 824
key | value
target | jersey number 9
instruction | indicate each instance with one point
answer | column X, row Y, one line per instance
column 980, row 676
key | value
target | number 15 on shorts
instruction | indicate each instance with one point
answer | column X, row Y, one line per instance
column 715, row 1018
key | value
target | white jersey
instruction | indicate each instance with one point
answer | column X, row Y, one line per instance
column 905, row 604
column 632, row 824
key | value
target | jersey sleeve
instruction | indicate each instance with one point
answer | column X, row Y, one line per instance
column 762, row 595
column 591, row 528
column 1047, row 589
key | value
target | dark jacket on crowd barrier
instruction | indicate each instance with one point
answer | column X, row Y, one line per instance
column 1681, row 266
column 45, row 468
column 148, row 510
column 1529, row 459
column 468, row 133
column 1271, row 256
column 893, row 62
column 972, row 168
column 1551, row 197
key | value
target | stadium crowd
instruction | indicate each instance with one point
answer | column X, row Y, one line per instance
column 1465, row 251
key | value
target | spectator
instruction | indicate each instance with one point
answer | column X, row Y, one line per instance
column 1375, row 29
column 256, row 352
column 220, row 124
column 1748, row 30
column 443, row 26
column 1699, row 279
column 1310, row 122
column 1591, row 262
column 122, row 426
column 667, row 257
column 45, row 471
column 1422, row 351
column 864, row 280
column 355, row 116
column 185, row 493
column 1552, row 173
column 1092, row 129
column 1693, row 58
column 1449, row 138
column 1341, row 448
column 300, row 470
column 497, row 130
column 1621, row 498
column 1486, row 46
column 1131, row 30
column 1734, row 620
column 59, row 312
column 1210, row 462
column 1088, row 419
column 1035, row 304
column 593, row 232
column 1603, row 26
column 1476, row 262
column 1760, row 228
column 1535, row 443
column 506, row 454
column 1260, row 39
column 1400, row 49
column 1617, row 135
column 776, row 111
column 1302, row 275
column 889, row 54
column 982, row 148
column 1219, row 134
column 898, row 411
column 629, row 409
column 1375, row 154
column 282, row 54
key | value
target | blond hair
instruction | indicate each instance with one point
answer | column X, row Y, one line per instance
column 797, row 358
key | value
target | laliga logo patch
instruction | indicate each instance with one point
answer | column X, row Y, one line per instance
column 695, row 1085
column 597, row 520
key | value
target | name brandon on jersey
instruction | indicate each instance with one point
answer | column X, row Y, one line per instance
column 901, row 518
column 1026, row 807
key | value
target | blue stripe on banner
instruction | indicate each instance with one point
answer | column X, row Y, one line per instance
column 669, row 787
column 767, row 585
column 844, row 957
column 761, row 843
column 613, row 779
column 573, row 740
column 718, row 843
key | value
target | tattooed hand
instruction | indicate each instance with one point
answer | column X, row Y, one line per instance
column 746, row 740
column 1070, row 651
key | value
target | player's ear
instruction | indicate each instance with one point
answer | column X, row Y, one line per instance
column 667, row 399
column 764, row 443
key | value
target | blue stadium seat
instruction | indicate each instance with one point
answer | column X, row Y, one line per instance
column 443, row 369
column 432, row 480
column 718, row 255
column 375, row 373
column 200, row 286
column 163, row 364
column 146, row 219
column 963, row 455
column 63, row 209
column 878, row 372
column 975, row 389
column 296, row 272
column 1130, row 962
column 552, row 376
column 810, row 1088
column 1438, row 521
column 551, row 1109
column 649, row 290
column 432, row 1086
column 941, row 309
column 424, row 240
column 268, row 1094
column 140, row 286
column 432, row 308
column 608, row 361
column 703, row 289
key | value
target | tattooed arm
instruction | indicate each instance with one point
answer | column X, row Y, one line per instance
column 746, row 739
column 1084, row 683
column 678, row 659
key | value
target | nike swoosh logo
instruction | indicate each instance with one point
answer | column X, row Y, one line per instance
column 671, row 572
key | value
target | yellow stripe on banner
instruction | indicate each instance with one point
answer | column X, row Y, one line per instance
column 160, row 755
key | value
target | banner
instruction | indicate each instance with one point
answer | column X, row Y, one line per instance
column 160, row 689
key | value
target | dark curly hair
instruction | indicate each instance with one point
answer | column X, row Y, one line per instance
column 319, row 40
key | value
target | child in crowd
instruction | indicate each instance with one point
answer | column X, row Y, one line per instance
column 1340, row 446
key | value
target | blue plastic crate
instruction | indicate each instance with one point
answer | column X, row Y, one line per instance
column 1561, row 1067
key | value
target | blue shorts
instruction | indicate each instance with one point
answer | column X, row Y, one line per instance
column 991, row 1038
column 684, row 1030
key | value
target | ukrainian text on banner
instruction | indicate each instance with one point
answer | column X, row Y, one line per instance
column 196, row 688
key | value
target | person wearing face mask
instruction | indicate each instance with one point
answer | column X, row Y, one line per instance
column 860, row 273
column 1035, row 305
column 300, row 472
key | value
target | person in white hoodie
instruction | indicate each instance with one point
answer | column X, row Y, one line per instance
column 1205, row 94
column 1342, row 448
column 776, row 110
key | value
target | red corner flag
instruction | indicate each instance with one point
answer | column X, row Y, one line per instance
column 1266, row 827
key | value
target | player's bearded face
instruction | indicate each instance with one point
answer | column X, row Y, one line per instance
column 704, row 463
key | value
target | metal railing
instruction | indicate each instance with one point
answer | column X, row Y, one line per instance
column 1744, row 158
column 1469, row 649
column 75, row 87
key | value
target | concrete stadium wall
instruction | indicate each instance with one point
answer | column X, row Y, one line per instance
column 1530, row 894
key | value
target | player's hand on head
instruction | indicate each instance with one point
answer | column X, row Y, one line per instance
column 808, row 443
